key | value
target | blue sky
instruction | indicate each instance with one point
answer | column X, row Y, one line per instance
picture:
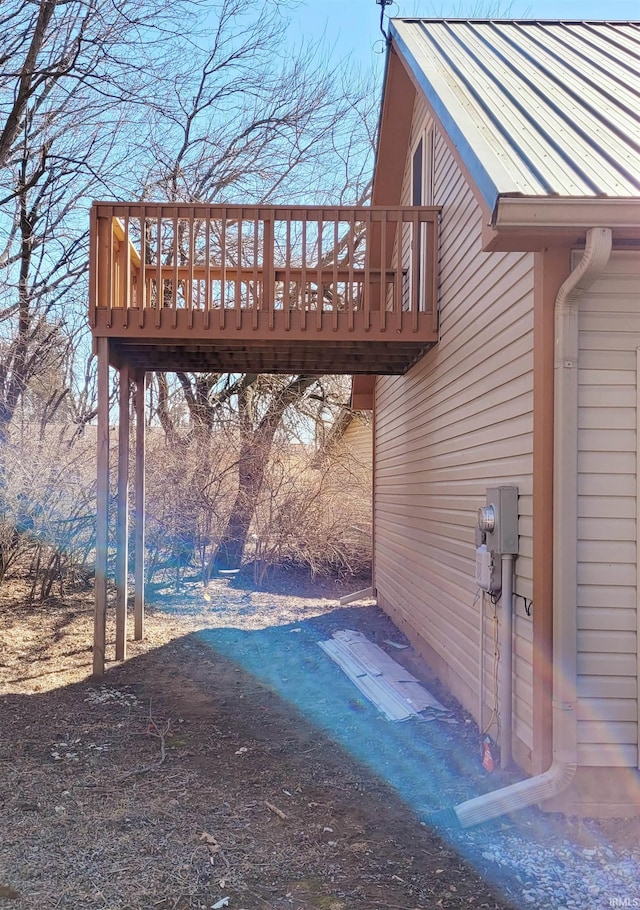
column 351, row 27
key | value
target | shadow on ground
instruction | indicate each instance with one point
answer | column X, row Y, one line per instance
column 430, row 764
column 254, row 739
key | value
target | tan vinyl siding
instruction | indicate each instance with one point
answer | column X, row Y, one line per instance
column 607, row 516
column 358, row 439
column 459, row 421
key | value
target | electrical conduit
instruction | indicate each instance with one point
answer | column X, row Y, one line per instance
column 565, row 499
column 506, row 656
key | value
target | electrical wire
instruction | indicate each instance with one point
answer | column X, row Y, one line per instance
column 383, row 4
column 528, row 604
column 495, row 714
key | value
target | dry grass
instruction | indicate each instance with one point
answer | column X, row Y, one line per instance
column 180, row 782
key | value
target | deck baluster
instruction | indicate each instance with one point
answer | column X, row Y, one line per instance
column 367, row 271
column 124, row 258
column 416, row 270
column 253, row 290
column 238, row 300
column 397, row 300
column 174, row 281
column 319, row 275
column 278, row 262
column 286, row 293
column 223, row 269
column 268, row 271
column 382, row 304
column 159, row 279
column 207, row 273
column 191, row 246
column 351, row 298
column 305, row 298
column 143, row 300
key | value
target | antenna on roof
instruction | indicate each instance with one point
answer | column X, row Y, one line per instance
column 383, row 4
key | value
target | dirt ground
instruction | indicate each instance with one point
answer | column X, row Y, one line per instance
column 192, row 777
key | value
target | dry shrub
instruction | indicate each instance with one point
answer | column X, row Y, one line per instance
column 47, row 507
column 189, row 494
column 314, row 512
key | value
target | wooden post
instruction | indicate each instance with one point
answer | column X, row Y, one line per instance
column 139, row 506
column 93, row 265
column 122, row 535
column 367, row 271
column 432, row 276
column 416, row 269
column 102, row 509
column 268, row 271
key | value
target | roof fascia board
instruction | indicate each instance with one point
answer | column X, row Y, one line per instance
column 394, row 128
column 363, row 392
column 441, row 105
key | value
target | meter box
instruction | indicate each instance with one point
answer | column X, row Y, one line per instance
column 499, row 520
column 496, row 534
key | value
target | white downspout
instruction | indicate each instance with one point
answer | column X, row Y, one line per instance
column 565, row 499
column 506, row 656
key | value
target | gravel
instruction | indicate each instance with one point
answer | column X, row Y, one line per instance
column 553, row 873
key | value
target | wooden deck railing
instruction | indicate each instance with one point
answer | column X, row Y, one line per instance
column 247, row 268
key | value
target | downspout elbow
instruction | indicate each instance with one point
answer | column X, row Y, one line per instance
column 506, row 800
column 596, row 255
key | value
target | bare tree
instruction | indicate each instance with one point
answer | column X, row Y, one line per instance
column 184, row 101
column 252, row 123
column 255, row 119
column 74, row 82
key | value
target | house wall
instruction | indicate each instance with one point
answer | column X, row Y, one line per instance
column 609, row 392
column 348, row 455
column 358, row 439
column 458, row 422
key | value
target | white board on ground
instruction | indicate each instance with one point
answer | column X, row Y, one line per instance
column 393, row 690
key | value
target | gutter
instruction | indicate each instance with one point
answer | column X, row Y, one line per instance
column 517, row 214
column 565, row 507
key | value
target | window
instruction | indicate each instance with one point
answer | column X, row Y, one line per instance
column 421, row 194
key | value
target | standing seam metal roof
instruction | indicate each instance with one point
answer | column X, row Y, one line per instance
column 535, row 108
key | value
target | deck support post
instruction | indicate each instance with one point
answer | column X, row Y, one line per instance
column 102, row 509
column 122, row 534
column 139, row 507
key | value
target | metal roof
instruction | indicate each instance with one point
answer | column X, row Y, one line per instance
column 535, row 108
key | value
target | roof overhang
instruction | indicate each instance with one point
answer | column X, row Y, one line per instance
column 442, row 100
column 528, row 202
column 533, row 223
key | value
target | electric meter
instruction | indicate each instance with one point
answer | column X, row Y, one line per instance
column 487, row 518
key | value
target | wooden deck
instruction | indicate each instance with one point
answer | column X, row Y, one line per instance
column 241, row 289
column 264, row 289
